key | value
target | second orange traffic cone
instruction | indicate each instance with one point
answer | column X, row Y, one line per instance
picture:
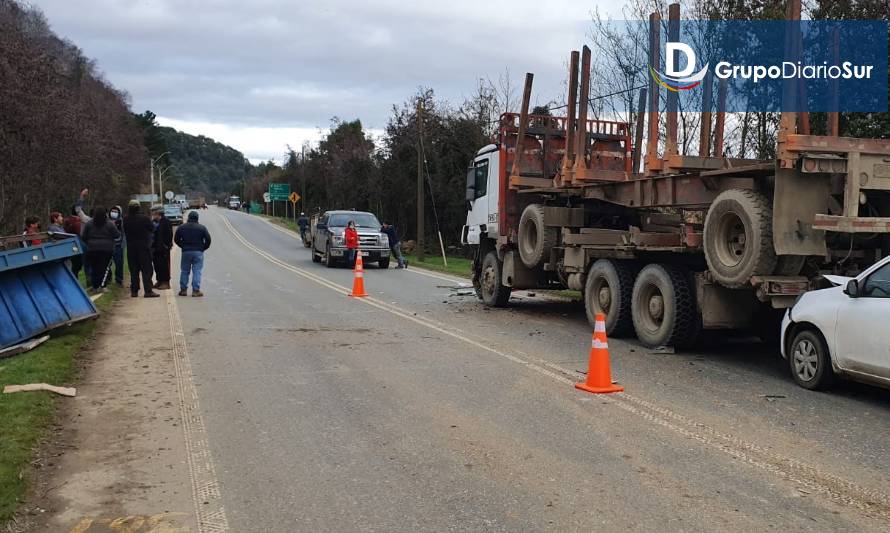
column 358, row 281
column 599, row 374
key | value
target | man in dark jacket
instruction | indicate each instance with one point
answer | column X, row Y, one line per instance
column 395, row 244
column 194, row 239
column 303, row 223
column 139, row 230
column 160, row 248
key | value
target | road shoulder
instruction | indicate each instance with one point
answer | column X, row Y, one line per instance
column 117, row 458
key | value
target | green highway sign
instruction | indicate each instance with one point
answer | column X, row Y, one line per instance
column 279, row 191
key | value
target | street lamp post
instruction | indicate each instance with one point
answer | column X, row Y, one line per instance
column 161, row 181
column 152, row 172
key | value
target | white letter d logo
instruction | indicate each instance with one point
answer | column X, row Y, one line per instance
column 669, row 67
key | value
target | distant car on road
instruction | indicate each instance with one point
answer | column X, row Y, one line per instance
column 329, row 243
column 841, row 331
column 173, row 212
column 234, row 202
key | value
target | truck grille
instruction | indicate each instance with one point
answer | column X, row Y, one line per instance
column 367, row 240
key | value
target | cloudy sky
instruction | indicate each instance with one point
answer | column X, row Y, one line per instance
column 261, row 74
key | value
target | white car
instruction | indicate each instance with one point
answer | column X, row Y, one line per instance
column 841, row 331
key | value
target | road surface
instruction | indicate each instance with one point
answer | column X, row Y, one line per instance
column 418, row 409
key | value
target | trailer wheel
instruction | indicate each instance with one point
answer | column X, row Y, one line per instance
column 535, row 239
column 608, row 290
column 738, row 239
column 491, row 290
column 663, row 307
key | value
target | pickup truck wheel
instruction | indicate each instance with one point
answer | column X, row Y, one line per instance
column 535, row 239
column 809, row 361
column 738, row 237
column 663, row 307
column 328, row 258
column 608, row 290
column 383, row 263
column 315, row 257
column 491, row 290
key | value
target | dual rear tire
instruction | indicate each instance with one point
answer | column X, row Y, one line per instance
column 656, row 302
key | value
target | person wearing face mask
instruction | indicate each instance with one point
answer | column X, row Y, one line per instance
column 351, row 236
column 117, row 256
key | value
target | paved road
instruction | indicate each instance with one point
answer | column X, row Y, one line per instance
column 417, row 409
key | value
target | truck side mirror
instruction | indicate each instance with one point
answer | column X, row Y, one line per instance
column 852, row 289
column 471, row 184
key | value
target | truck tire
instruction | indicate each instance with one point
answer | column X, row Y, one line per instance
column 492, row 292
column 315, row 257
column 738, row 239
column 608, row 290
column 535, row 239
column 328, row 258
column 383, row 263
column 663, row 307
column 789, row 265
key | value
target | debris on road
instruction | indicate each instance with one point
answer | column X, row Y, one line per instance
column 64, row 391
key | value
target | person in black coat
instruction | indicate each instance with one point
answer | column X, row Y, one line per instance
column 160, row 248
column 139, row 231
column 99, row 234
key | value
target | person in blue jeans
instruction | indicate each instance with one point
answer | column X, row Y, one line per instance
column 194, row 240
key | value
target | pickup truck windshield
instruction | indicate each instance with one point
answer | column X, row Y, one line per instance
column 362, row 220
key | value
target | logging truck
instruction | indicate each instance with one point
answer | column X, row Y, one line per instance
column 687, row 242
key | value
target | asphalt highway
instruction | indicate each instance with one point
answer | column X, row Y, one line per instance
column 418, row 409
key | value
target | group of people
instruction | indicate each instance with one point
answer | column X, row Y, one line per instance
column 106, row 234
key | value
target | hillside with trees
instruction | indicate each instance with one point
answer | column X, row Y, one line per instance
column 62, row 126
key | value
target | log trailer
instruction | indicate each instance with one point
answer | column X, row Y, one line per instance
column 688, row 243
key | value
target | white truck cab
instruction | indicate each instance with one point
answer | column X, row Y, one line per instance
column 483, row 186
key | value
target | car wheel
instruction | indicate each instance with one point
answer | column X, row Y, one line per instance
column 315, row 257
column 383, row 263
column 328, row 260
column 809, row 361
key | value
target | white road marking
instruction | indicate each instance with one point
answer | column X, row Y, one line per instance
column 209, row 511
column 872, row 502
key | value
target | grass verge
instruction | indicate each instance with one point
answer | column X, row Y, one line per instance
column 25, row 416
column 457, row 266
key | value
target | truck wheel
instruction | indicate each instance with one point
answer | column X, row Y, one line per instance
column 809, row 361
column 789, row 265
column 315, row 257
column 535, row 239
column 383, row 263
column 491, row 290
column 664, row 308
column 738, row 239
column 608, row 290
column 328, row 258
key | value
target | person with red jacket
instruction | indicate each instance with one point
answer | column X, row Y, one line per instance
column 351, row 236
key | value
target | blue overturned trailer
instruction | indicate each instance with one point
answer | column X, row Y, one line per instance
column 38, row 292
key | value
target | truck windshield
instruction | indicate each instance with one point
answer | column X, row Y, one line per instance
column 362, row 220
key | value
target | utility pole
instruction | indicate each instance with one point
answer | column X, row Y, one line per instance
column 420, row 195
column 303, row 176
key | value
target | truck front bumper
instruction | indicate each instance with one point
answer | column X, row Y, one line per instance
column 368, row 254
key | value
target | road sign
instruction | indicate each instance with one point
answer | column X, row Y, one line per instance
column 267, row 197
column 169, row 195
column 279, row 191
column 294, row 198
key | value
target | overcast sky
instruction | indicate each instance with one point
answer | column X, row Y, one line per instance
column 261, row 74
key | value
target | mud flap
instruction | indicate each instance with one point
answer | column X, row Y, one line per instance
column 797, row 200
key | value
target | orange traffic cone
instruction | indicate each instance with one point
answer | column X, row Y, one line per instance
column 358, row 282
column 599, row 375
